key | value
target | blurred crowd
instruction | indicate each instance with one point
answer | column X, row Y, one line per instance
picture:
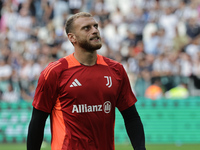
column 157, row 41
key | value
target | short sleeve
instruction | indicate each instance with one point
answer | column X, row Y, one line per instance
column 126, row 97
column 46, row 92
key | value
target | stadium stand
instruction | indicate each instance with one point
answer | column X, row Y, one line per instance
column 165, row 121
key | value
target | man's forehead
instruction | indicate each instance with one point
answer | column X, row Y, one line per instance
column 82, row 21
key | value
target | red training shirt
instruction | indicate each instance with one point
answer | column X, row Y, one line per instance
column 82, row 100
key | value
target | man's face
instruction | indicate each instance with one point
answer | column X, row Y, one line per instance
column 87, row 33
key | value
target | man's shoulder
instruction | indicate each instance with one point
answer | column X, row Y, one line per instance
column 57, row 65
column 110, row 62
column 113, row 65
column 54, row 68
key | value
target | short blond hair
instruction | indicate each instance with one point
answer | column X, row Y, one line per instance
column 70, row 21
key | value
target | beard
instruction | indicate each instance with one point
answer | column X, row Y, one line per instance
column 89, row 46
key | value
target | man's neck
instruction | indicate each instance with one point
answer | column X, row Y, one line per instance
column 86, row 58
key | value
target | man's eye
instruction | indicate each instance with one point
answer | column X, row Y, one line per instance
column 96, row 26
column 86, row 28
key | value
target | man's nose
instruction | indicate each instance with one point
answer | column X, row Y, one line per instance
column 95, row 30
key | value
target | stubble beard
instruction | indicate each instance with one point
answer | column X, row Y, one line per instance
column 88, row 46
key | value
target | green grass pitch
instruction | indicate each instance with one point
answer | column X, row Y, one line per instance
column 117, row 147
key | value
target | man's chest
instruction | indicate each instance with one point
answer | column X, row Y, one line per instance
column 89, row 84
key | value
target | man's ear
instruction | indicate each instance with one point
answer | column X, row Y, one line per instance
column 71, row 37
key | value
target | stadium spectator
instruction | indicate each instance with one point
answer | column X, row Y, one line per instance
column 23, row 25
column 152, row 44
column 130, row 39
column 28, row 95
column 180, row 41
column 136, row 22
column 11, row 95
column 5, row 70
column 158, row 69
column 101, row 10
column 117, row 17
column 48, row 11
column 193, row 27
column 182, row 11
column 145, row 68
column 8, row 19
column 173, row 64
column 112, row 38
column 168, row 21
column 178, row 92
column 60, row 7
column 75, row 6
column 154, row 91
column 185, row 65
column 192, row 49
column 164, row 42
column 196, row 65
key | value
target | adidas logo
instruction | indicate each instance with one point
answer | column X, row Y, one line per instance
column 75, row 83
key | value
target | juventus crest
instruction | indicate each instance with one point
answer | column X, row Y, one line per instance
column 109, row 81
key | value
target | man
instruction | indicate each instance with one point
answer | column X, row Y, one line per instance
column 80, row 92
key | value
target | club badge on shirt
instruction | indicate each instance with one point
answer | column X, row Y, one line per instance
column 109, row 81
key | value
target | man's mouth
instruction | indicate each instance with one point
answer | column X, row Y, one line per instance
column 95, row 38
